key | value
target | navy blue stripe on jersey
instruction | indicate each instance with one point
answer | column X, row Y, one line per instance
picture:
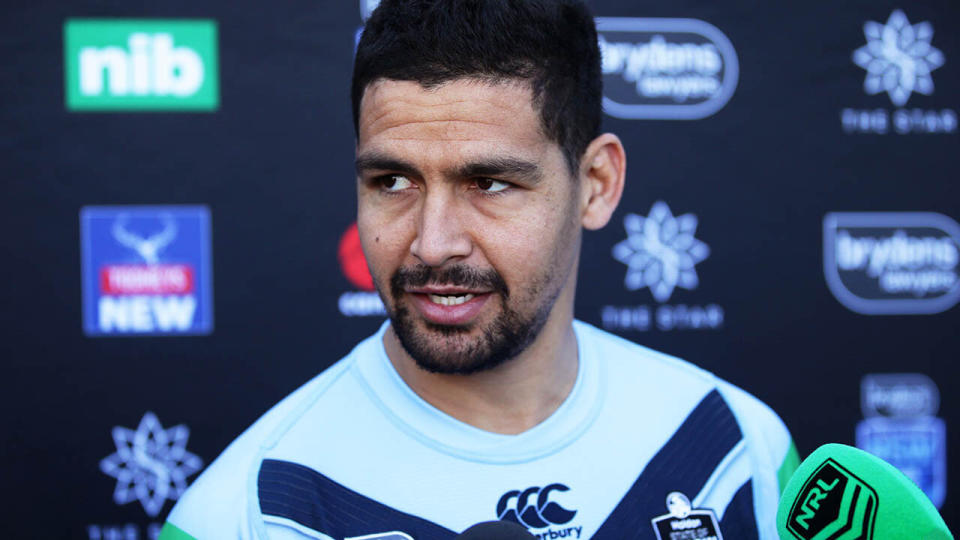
column 738, row 520
column 683, row 464
column 301, row 494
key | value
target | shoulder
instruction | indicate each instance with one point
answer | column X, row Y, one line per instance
column 218, row 503
column 676, row 381
column 659, row 382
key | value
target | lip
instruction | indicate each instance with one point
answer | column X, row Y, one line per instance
column 458, row 315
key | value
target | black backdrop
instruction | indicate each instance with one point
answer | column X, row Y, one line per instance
column 273, row 164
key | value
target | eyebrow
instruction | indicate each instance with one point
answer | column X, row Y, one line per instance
column 512, row 168
column 509, row 167
column 382, row 162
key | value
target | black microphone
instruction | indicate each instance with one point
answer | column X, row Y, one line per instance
column 495, row 530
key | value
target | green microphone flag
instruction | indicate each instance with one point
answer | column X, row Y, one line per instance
column 842, row 493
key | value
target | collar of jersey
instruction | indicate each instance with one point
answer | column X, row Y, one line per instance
column 435, row 428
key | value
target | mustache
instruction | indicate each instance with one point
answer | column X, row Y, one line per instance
column 458, row 275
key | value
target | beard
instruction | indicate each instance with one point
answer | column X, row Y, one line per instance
column 451, row 349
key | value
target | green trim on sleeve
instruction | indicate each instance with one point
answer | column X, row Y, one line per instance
column 790, row 463
column 171, row 532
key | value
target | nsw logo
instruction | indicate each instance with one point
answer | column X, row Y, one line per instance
column 901, row 427
column 146, row 270
column 533, row 508
column 885, row 263
column 666, row 69
column 832, row 501
column 141, row 64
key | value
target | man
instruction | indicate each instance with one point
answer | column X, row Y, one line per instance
column 479, row 161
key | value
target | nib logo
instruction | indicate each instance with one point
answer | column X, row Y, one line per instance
column 141, row 64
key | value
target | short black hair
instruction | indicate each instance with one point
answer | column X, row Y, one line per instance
column 550, row 44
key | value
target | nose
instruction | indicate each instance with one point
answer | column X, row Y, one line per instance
column 442, row 235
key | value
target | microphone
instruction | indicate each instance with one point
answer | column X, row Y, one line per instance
column 840, row 492
column 495, row 530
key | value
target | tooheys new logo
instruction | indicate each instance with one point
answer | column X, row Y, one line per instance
column 141, row 64
column 881, row 263
column 834, row 504
column 146, row 270
column 674, row 69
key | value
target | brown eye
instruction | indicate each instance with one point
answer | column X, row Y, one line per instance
column 395, row 182
column 490, row 185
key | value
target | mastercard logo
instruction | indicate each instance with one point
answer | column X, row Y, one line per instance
column 352, row 262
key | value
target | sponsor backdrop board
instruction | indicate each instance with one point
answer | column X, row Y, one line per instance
column 180, row 247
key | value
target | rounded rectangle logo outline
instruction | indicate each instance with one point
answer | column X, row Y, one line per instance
column 731, row 75
column 899, row 306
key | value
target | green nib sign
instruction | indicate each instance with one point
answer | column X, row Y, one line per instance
column 141, row 65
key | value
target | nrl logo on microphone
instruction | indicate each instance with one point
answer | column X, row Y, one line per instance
column 885, row 263
column 833, row 501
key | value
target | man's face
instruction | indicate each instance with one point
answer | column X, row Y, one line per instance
column 468, row 217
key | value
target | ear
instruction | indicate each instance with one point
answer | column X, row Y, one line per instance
column 602, row 173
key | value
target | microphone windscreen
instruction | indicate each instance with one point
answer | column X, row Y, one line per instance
column 495, row 530
column 840, row 492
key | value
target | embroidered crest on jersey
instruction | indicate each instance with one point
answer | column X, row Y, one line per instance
column 684, row 522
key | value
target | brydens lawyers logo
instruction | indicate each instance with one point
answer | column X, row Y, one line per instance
column 365, row 301
column 673, row 69
column 892, row 263
column 141, row 64
column 146, row 270
column 151, row 463
column 534, row 509
column 661, row 254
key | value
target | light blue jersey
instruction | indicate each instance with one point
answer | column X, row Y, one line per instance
column 355, row 453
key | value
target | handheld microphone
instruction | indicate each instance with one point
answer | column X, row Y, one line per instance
column 842, row 493
column 495, row 530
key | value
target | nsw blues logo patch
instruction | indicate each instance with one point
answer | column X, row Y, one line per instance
column 146, row 270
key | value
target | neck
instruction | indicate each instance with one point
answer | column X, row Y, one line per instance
column 509, row 399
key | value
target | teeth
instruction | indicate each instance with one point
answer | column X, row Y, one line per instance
column 445, row 300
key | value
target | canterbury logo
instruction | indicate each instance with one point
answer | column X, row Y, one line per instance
column 533, row 508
